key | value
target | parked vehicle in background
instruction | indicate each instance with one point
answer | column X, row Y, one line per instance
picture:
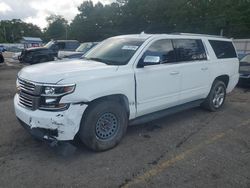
column 16, row 55
column 245, row 70
column 2, row 48
column 79, row 52
column 129, row 79
column 241, row 55
column 47, row 53
column 1, row 58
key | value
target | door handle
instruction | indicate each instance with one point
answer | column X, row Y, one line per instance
column 204, row 68
column 174, row 73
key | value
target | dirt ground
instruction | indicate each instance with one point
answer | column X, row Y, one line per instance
column 194, row 148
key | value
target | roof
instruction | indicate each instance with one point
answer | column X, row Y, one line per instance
column 66, row 40
column 175, row 35
column 36, row 39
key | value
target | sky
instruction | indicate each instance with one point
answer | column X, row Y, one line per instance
column 36, row 11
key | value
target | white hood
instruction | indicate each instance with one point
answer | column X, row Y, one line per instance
column 53, row 72
column 62, row 54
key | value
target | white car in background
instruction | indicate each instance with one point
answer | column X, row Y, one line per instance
column 125, row 80
column 79, row 52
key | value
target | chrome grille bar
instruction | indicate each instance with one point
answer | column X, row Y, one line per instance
column 26, row 100
column 26, row 86
column 29, row 94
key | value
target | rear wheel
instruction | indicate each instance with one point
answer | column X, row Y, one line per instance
column 216, row 97
column 103, row 125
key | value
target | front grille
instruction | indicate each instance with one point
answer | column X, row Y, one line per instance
column 26, row 100
column 27, row 86
column 29, row 94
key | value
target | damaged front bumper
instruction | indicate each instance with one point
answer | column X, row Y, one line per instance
column 48, row 125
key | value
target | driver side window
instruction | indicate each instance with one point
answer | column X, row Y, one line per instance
column 163, row 49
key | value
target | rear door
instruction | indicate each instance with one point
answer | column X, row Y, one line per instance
column 158, row 85
column 194, row 68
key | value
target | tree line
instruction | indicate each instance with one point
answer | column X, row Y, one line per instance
column 95, row 22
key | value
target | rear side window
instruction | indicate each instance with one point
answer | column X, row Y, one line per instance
column 223, row 49
column 61, row 45
column 189, row 50
column 72, row 45
column 162, row 48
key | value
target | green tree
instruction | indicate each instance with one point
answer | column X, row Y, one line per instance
column 13, row 30
column 57, row 28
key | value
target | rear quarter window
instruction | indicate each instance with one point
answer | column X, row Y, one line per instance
column 189, row 50
column 223, row 49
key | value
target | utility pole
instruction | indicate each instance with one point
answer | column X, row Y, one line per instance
column 66, row 32
column 221, row 32
column 4, row 33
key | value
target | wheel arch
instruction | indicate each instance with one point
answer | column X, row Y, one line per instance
column 224, row 78
column 121, row 98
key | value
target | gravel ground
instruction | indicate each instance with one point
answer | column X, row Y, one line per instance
column 194, row 148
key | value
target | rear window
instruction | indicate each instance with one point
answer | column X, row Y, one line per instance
column 223, row 49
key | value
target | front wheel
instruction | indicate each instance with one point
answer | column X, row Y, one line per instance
column 216, row 97
column 103, row 125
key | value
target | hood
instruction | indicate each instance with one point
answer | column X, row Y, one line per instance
column 53, row 72
column 36, row 49
column 62, row 54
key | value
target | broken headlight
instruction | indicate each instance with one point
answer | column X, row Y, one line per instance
column 52, row 94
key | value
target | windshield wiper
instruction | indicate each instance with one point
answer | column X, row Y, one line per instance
column 107, row 62
column 97, row 59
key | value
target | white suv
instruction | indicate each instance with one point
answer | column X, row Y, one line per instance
column 124, row 80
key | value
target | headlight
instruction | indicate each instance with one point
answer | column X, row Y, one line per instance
column 57, row 90
column 52, row 94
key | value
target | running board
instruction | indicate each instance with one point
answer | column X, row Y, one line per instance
column 166, row 112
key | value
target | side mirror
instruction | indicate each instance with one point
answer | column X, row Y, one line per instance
column 149, row 60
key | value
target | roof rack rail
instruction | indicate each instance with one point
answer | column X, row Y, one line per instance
column 195, row 34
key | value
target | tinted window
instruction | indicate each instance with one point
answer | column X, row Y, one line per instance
column 162, row 48
column 72, row 45
column 189, row 50
column 223, row 49
column 61, row 45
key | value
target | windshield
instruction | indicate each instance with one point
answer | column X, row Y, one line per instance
column 49, row 44
column 115, row 51
column 84, row 47
column 246, row 59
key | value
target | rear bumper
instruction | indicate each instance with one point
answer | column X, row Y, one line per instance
column 47, row 125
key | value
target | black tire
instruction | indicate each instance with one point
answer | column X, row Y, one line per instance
column 1, row 58
column 213, row 103
column 99, row 116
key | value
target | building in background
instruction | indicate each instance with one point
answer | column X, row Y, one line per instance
column 29, row 42
column 242, row 45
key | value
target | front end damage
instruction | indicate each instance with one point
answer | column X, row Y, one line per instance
column 51, row 125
